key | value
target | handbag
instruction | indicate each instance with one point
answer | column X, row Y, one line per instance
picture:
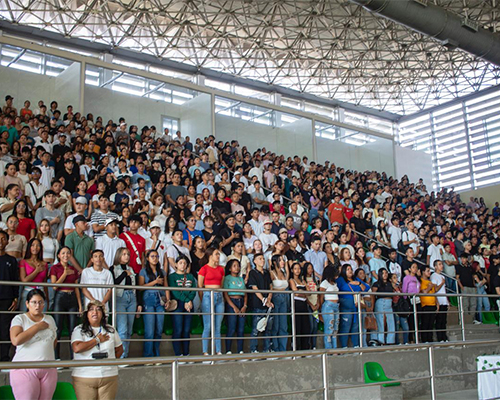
column 357, row 297
column 370, row 322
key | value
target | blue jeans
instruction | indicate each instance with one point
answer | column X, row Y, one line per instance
column 125, row 322
column 219, row 310
column 280, row 322
column 349, row 323
column 383, row 308
column 182, row 329
column 235, row 325
column 331, row 319
column 259, row 313
column 451, row 285
column 402, row 323
column 313, row 323
column 483, row 303
column 153, row 323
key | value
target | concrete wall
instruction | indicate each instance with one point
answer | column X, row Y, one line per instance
column 196, row 119
column 491, row 194
column 228, row 379
column 415, row 164
column 22, row 85
column 376, row 156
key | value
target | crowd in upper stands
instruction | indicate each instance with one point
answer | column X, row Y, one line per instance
column 93, row 201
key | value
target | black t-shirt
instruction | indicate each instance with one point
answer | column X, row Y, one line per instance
column 263, row 282
column 466, row 275
column 383, row 288
column 496, row 283
column 406, row 264
column 8, row 272
column 293, row 255
column 359, row 224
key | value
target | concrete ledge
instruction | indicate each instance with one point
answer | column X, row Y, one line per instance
column 369, row 392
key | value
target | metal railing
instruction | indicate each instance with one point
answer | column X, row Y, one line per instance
column 359, row 313
column 323, row 354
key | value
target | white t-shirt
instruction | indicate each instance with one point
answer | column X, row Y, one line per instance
column 395, row 236
column 91, row 276
column 108, row 347
column 437, row 279
column 434, row 253
column 267, row 240
column 329, row 288
column 395, row 268
column 407, row 236
column 70, row 225
column 41, row 346
column 174, row 252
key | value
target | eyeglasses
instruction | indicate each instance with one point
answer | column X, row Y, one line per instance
column 153, row 256
column 39, row 303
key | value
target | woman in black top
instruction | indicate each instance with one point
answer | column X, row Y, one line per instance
column 221, row 204
column 383, row 308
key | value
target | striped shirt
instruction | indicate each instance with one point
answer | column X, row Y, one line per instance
column 99, row 218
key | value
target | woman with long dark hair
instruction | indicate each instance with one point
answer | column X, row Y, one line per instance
column 280, row 276
column 329, row 300
column 32, row 269
column 66, row 299
column 301, row 321
column 349, row 322
column 383, row 308
column 236, row 305
column 152, row 275
column 95, row 338
column 27, row 226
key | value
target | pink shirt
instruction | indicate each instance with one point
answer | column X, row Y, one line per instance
column 41, row 277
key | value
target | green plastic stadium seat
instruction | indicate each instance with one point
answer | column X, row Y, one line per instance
column 489, row 318
column 374, row 373
column 196, row 325
column 453, row 301
column 6, row 393
column 138, row 328
column 64, row 391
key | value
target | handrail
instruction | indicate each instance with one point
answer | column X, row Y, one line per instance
column 237, row 357
column 249, row 291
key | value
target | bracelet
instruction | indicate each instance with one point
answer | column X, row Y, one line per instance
column 97, row 339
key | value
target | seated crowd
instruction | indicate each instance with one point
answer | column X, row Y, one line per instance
column 93, row 202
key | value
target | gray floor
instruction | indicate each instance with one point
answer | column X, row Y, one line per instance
column 461, row 395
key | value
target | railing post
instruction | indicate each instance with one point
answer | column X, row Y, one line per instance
column 462, row 317
column 415, row 318
column 113, row 306
column 432, row 373
column 360, row 322
column 212, row 322
column 175, row 380
column 324, row 369
column 294, row 333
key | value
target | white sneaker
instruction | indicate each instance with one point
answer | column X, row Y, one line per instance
column 123, row 366
column 476, row 322
column 229, row 352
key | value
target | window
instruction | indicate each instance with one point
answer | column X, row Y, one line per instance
column 170, row 123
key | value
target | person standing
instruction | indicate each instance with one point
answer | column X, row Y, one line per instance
column 181, row 319
column 109, row 243
column 8, row 294
column 465, row 280
column 439, row 280
column 94, row 336
column 136, row 244
column 79, row 243
column 96, row 274
column 302, row 324
column 429, row 305
column 34, row 336
column 66, row 299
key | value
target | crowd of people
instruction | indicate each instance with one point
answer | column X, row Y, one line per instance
column 92, row 202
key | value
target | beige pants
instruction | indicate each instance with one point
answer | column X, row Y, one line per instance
column 96, row 388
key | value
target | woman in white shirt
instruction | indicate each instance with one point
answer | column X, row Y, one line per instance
column 95, row 339
column 330, row 306
column 34, row 335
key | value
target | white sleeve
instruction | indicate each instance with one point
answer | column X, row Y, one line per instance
column 77, row 335
column 98, row 245
column 17, row 321
column 109, row 278
column 118, row 341
column 83, row 276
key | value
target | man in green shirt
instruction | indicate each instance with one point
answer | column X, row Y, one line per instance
column 81, row 245
column 13, row 134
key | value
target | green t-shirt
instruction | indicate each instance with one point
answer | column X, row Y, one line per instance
column 178, row 280
column 81, row 246
column 234, row 282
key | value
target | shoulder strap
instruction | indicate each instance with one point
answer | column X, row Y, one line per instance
column 132, row 243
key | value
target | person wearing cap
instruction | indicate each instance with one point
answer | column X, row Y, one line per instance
column 96, row 274
column 109, row 243
column 79, row 242
column 157, row 240
column 267, row 238
column 94, row 337
column 100, row 216
column 8, row 107
column 80, row 208
column 135, row 243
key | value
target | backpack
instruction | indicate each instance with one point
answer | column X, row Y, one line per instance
column 401, row 247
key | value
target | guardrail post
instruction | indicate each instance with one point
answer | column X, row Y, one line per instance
column 113, row 306
column 461, row 314
column 212, row 322
column 360, row 322
column 432, row 372
column 175, row 380
column 415, row 318
column 294, row 333
column 324, row 370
